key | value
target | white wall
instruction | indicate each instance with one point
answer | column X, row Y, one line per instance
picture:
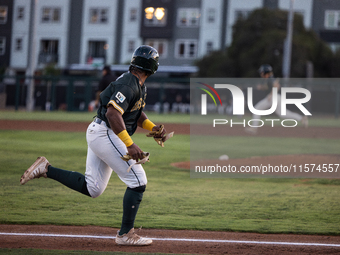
column 99, row 32
column 54, row 31
column 44, row 31
column 210, row 32
column 20, row 30
column 130, row 30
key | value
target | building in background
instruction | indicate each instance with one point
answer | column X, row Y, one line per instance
column 326, row 21
column 91, row 33
column 6, row 30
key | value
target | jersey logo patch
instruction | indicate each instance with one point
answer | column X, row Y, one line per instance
column 139, row 104
column 121, row 98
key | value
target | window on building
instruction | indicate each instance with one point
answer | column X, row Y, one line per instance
column 50, row 15
column 97, row 52
column 210, row 47
column 188, row 17
column 131, row 46
column 332, row 19
column 3, row 14
column 20, row 13
column 18, row 44
column 211, row 15
column 160, row 45
column 49, row 46
column 133, row 14
column 241, row 14
column 98, row 15
column 48, row 51
column 155, row 17
column 186, row 49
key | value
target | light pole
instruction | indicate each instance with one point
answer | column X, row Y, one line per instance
column 31, row 63
column 288, row 42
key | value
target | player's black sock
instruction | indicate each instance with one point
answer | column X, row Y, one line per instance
column 131, row 201
column 73, row 180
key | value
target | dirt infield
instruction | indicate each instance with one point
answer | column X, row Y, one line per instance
column 169, row 241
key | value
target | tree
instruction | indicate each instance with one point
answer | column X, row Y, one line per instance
column 259, row 39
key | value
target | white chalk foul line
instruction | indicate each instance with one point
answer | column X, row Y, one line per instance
column 177, row 239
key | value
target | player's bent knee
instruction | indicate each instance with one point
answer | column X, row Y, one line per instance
column 95, row 191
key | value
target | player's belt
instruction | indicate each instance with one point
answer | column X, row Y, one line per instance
column 97, row 120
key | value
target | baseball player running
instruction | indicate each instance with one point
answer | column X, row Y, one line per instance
column 266, row 72
column 109, row 138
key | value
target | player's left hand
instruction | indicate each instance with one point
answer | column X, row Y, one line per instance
column 159, row 134
column 159, row 131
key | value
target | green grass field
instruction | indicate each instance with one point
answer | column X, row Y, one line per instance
column 173, row 200
column 244, row 147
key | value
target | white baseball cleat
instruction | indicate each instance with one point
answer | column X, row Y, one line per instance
column 304, row 121
column 132, row 238
column 37, row 170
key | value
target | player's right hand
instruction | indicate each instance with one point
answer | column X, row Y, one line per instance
column 135, row 152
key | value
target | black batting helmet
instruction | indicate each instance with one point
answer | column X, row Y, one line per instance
column 146, row 58
column 265, row 69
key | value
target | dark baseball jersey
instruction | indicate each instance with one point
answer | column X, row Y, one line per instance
column 127, row 96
